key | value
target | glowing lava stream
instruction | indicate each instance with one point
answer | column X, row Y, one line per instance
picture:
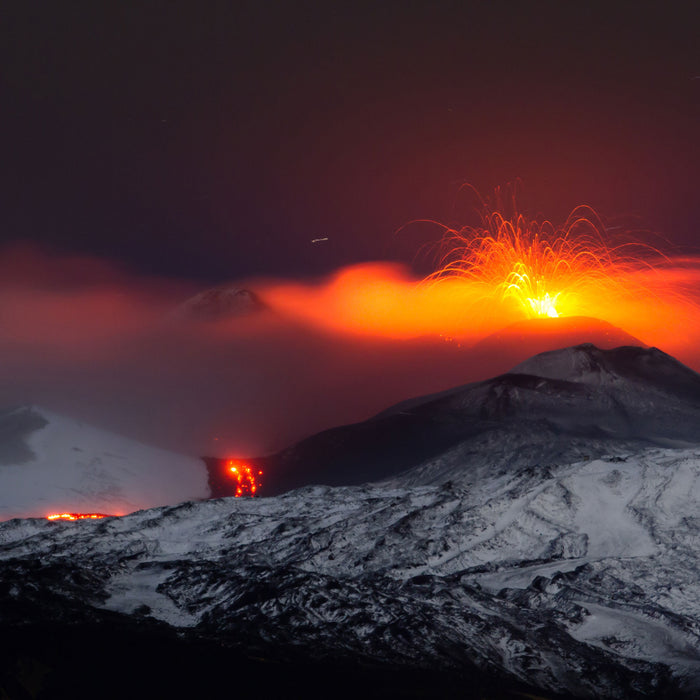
column 245, row 476
column 78, row 516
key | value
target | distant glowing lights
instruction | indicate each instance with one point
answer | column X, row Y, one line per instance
column 246, row 476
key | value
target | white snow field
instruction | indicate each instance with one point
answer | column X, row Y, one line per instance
column 54, row 464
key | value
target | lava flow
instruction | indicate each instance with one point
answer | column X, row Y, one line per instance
column 245, row 476
column 77, row 516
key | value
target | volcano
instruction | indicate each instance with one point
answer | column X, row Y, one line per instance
column 220, row 303
column 509, row 346
column 576, row 329
column 545, row 410
column 545, row 541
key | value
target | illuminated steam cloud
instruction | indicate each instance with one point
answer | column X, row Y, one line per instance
column 85, row 338
column 507, row 269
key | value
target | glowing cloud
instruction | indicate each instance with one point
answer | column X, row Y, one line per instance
column 505, row 270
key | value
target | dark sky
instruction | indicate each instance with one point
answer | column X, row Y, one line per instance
column 215, row 140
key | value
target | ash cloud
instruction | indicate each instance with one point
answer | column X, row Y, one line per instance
column 83, row 337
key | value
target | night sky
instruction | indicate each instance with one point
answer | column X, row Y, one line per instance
column 215, row 140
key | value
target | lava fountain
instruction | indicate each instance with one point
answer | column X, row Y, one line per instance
column 513, row 268
column 543, row 270
column 245, row 476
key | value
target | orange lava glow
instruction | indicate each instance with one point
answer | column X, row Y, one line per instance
column 518, row 266
column 77, row 516
column 374, row 300
column 506, row 270
column 246, row 476
column 542, row 270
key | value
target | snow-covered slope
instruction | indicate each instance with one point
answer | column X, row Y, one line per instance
column 51, row 464
column 581, row 579
column 555, row 545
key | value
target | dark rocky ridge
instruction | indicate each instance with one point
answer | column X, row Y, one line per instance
column 631, row 395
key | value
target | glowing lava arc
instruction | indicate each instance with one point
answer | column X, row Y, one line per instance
column 78, row 516
column 246, row 477
column 546, row 271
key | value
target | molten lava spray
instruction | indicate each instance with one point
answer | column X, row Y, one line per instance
column 514, row 266
column 542, row 270
column 246, row 476
column 508, row 269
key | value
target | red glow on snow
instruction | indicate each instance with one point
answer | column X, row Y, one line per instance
column 77, row 516
column 246, row 476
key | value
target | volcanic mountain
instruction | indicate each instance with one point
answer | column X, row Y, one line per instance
column 561, row 405
column 218, row 303
column 546, row 541
column 515, row 343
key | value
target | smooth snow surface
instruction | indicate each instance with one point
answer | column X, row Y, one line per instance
column 51, row 464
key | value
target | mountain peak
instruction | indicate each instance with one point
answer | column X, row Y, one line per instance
column 580, row 400
column 524, row 339
column 218, row 303
column 590, row 364
column 582, row 362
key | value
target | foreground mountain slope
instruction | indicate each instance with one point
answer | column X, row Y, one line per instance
column 53, row 464
column 553, row 550
column 596, row 402
column 580, row 579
